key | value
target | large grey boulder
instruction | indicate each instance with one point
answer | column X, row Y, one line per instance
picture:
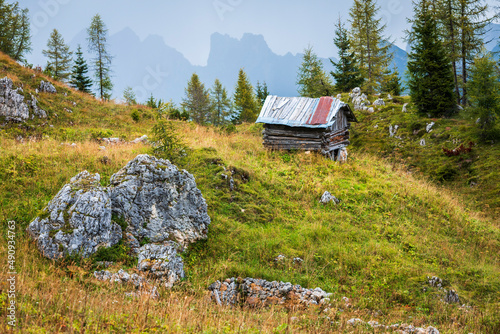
column 161, row 262
column 12, row 105
column 77, row 220
column 159, row 202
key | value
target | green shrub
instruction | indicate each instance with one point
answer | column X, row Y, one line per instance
column 135, row 115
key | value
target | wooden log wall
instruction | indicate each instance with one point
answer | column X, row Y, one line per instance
column 280, row 137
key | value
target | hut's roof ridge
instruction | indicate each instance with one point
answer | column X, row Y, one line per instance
column 303, row 111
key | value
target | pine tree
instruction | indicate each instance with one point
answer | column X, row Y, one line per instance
column 392, row 82
column 311, row 78
column 97, row 39
column 129, row 96
column 152, row 103
column 221, row 104
column 347, row 75
column 59, row 56
column 197, row 101
column 245, row 102
column 261, row 92
column 368, row 44
column 79, row 78
column 431, row 77
column 484, row 93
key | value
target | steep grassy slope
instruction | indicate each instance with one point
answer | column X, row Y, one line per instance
column 391, row 230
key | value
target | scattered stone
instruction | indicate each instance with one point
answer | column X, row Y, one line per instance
column 68, row 110
column 111, row 140
column 327, row 198
column 37, row 111
column 159, row 202
column 435, row 281
column 393, row 130
column 371, row 110
column 451, row 297
column 339, row 96
column 429, row 126
column 379, row 103
column 405, row 106
column 162, row 262
column 422, row 142
column 297, row 260
column 143, row 139
column 231, row 184
column 122, row 277
column 47, row 87
column 376, row 126
column 355, row 321
column 389, row 96
column 280, row 258
column 77, row 220
column 258, row 292
column 102, row 148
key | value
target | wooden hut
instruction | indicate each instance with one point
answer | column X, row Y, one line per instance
column 303, row 123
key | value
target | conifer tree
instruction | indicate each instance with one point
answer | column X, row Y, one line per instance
column 347, row 75
column 245, row 103
column 59, row 56
column 197, row 101
column 97, row 39
column 484, row 93
column 464, row 25
column 367, row 42
column 392, row 82
column 79, row 78
column 152, row 103
column 311, row 78
column 261, row 92
column 129, row 96
column 431, row 77
column 221, row 104
column 15, row 37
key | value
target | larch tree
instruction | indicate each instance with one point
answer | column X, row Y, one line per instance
column 97, row 39
column 59, row 56
column 15, row 34
column 221, row 104
column 244, row 101
column 347, row 75
column 197, row 101
column 79, row 77
column 129, row 96
column 368, row 43
column 312, row 80
column 429, row 67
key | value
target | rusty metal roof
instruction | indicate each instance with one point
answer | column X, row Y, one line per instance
column 303, row 111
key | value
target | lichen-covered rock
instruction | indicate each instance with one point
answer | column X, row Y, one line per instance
column 159, row 202
column 77, row 220
column 143, row 286
column 36, row 110
column 328, row 197
column 161, row 262
column 12, row 105
column 379, row 103
column 47, row 87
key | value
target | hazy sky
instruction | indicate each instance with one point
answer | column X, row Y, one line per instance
column 287, row 25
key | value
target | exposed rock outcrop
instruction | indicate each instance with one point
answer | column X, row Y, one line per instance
column 77, row 220
column 159, row 202
column 328, row 197
column 12, row 104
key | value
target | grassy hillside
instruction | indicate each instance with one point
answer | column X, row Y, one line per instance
column 390, row 232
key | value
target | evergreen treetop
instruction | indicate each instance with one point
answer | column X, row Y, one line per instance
column 311, row 78
column 79, row 78
column 59, row 56
column 197, row 101
column 245, row 103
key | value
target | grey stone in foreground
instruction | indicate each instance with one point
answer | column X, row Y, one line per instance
column 47, row 87
column 142, row 285
column 258, row 292
column 77, row 220
column 161, row 262
column 159, row 202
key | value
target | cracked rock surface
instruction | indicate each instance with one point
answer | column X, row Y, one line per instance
column 77, row 220
column 159, row 202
